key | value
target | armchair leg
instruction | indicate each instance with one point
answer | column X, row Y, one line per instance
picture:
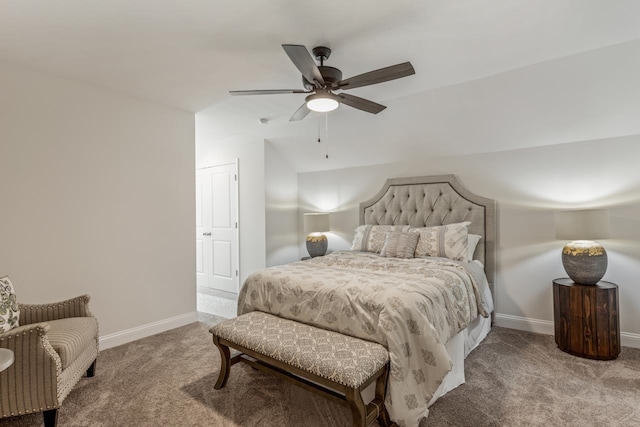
column 92, row 369
column 50, row 417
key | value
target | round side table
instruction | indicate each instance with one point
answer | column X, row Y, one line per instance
column 6, row 358
column 586, row 317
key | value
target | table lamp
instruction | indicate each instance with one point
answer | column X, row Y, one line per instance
column 584, row 260
column 315, row 224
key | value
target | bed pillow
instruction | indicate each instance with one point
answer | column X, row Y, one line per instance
column 400, row 244
column 371, row 238
column 447, row 241
column 473, row 241
column 9, row 311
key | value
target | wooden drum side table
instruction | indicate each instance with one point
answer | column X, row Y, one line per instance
column 586, row 319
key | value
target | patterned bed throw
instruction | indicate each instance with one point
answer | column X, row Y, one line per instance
column 411, row 306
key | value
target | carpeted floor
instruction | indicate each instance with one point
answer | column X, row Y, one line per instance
column 513, row 379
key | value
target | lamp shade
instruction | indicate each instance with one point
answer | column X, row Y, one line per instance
column 582, row 225
column 316, row 222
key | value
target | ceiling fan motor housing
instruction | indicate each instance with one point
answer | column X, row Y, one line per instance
column 330, row 75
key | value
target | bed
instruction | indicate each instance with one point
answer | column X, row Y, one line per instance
column 429, row 312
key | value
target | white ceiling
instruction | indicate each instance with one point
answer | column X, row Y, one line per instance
column 189, row 54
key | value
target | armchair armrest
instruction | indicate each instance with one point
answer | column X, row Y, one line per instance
column 10, row 338
column 74, row 307
column 37, row 366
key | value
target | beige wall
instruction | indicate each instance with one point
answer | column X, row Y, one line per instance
column 281, row 209
column 97, row 193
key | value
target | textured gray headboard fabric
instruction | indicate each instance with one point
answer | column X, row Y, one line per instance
column 427, row 201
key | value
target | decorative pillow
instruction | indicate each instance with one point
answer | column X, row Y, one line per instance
column 9, row 312
column 400, row 244
column 447, row 241
column 371, row 238
column 474, row 239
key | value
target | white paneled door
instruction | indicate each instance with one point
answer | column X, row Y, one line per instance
column 217, row 227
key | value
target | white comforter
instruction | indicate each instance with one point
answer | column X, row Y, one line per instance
column 412, row 307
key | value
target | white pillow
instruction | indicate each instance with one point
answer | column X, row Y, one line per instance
column 473, row 241
column 371, row 238
column 447, row 241
column 9, row 311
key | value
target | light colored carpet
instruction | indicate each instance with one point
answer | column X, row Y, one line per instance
column 218, row 303
column 513, row 379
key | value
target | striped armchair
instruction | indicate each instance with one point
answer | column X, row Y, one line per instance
column 54, row 346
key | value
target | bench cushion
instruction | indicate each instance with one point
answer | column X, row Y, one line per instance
column 342, row 359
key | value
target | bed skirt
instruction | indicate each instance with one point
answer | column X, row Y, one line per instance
column 458, row 347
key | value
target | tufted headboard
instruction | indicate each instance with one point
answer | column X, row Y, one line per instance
column 426, row 201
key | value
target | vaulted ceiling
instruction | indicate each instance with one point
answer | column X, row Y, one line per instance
column 189, row 54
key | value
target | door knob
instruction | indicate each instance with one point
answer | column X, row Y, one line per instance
column 206, row 234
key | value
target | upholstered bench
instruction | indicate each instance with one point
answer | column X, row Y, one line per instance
column 334, row 365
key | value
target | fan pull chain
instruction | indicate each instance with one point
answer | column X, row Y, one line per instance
column 319, row 140
column 326, row 135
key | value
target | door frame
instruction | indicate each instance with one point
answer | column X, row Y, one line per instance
column 236, row 163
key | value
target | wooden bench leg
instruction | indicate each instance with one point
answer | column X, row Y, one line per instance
column 358, row 410
column 225, row 366
column 381, row 391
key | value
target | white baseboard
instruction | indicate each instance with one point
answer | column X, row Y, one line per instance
column 627, row 339
column 128, row 335
column 524, row 324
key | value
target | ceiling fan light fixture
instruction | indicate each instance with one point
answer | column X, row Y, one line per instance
column 322, row 102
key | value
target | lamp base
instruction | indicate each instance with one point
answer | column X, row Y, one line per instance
column 317, row 244
column 584, row 261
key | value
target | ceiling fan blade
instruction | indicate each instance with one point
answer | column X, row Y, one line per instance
column 266, row 92
column 300, row 114
column 361, row 103
column 378, row 76
column 302, row 59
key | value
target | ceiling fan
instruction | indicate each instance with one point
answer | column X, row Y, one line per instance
column 321, row 81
